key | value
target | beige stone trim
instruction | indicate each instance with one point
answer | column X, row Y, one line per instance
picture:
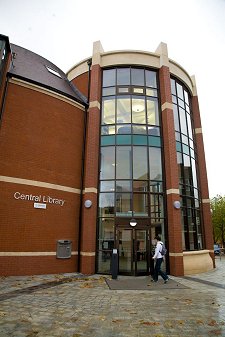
column 94, row 104
column 132, row 57
column 90, row 190
column 198, row 130
column 194, row 86
column 173, row 191
column 206, row 201
column 175, row 254
column 46, row 92
column 32, row 253
column 167, row 105
column 97, row 51
column 14, row 180
column 78, row 69
column 180, row 73
column 163, row 52
column 87, row 253
column 196, row 252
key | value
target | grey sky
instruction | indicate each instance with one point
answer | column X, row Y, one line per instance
column 63, row 31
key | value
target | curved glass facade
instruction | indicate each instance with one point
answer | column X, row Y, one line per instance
column 131, row 175
column 187, row 166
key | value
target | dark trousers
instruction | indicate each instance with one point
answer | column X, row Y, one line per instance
column 158, row 271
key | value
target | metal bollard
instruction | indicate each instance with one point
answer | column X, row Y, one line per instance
column 114, row 264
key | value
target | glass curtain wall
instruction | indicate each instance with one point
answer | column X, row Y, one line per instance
column 187, row 165
column 130, row 154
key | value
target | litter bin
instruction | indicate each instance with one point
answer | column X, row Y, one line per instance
column 64, row 248
column 114, row 264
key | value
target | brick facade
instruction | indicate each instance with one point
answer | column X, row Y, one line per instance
column 41, row 141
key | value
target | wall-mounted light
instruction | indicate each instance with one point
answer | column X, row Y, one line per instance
column 133, row 222
column 176, row 204
column 87, row 203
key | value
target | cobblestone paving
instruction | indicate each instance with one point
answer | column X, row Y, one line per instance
column 71, row 305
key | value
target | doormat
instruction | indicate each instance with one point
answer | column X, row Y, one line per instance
column 142, row 283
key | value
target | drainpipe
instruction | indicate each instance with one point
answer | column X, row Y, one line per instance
column 89, row 63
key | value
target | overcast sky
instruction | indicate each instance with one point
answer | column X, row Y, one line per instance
column 63, row 31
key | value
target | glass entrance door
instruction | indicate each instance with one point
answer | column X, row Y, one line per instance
column 133, row 251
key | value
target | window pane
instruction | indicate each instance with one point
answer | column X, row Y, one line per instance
column 105, row 244
column 123, row 162
column 194, row 175
column 183, row 123
column 108, row 110
column 106, row 204
column 140, row 186
column 138, row 90
column 151, row 92
column 123, row 90
column 150, row 77
column 138, row 110
column 109, row 91
column 140, row 170
column 140, row 140
column 124, row 129
column 153, row 131
column 180, row 91
column 176, row 118
column 123, row 140
column 123, row 186
column 156, row 203
column 107, row 140
column 186, row 97
column 123, row 204
column 108, row 130
column 156, row 187
column 173, row 87
column 107, row 167
column 107, row 186
column 139, row 129
column 152, row 111
column 155, row 163
column 109, row 78
column 189, row 126
column 123, row 76
column 140, row 204
column 154, row 141
column 137, row 77
column 123, row 109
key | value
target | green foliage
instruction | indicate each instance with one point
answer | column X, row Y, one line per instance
column 218, row 218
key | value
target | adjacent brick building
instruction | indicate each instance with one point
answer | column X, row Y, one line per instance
column 104, row 157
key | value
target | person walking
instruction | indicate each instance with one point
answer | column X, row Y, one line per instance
column 158, row 261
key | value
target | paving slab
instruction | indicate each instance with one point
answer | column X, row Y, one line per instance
column 74, row 305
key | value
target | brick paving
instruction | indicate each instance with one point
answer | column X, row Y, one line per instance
column 74, row 305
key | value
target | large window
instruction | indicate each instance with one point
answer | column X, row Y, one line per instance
column 187, row 165
column 131, row 180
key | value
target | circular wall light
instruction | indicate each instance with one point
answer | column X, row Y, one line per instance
column 176, row 204
column 133, row 222
column 87, row 203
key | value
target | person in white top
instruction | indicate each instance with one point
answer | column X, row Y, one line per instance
column 158, row 261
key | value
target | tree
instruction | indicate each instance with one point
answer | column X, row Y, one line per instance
column 218, row 218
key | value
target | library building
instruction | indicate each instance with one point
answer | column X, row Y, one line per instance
column 96, row 162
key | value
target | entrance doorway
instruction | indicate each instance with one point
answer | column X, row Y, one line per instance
column 134, row 251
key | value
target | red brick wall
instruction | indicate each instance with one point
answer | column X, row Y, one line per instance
column 171, row 175
column 89, row 216
column 81, row 82
column 41, row 139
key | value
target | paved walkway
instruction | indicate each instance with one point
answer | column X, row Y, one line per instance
column 72, row 305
